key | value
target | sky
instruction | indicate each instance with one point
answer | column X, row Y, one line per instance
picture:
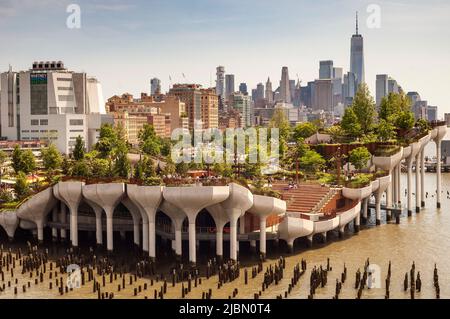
column 125, row 43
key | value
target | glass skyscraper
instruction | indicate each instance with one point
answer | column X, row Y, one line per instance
column 357, row 56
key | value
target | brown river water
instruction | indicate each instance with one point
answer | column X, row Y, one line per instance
column 423, row 238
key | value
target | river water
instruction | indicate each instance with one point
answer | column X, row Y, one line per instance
column 423, row 238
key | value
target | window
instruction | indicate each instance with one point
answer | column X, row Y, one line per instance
column 62, row 88
column 34, row 131
column 65, row 79
column 76, row 122
column 34, row 122
column 76, row 131
column 66, row 98
column 25, row 131
column 44, row 122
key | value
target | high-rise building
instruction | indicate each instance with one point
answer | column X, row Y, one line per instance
column 285, row 93
column 349, row 88
column 243, row 88
column 259, row 92
column 269, row 92
column 242, row 104
column 210, row 108
column 220, row 81
column 229, row 86
column 191, row 95
column 155, row 86
column 414, row 97
column 382, row 88
column 447, row 118
column 50, row 103
column 393, row 86
column 297, row 100
column 326, row 70
column 357, row 56
column 337, row 86
column 323, row 95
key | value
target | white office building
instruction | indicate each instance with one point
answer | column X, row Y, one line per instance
column 50, row 103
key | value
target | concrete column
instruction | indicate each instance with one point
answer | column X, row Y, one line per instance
column 145, row 236
column 410, row 201
column 40, row 230
column 399, row 183
column 253, row 245
column 290, row 244
column 394, row 185
column 438, row 173
column 418, row 183
column 63, row 219
column 74, row 225
column 358, row 221
column 233, row 238
column 219, row 241
column 365, row 207
column 136, row 233
column 109, row 231
column 152, row 239
column 55, row 219
column 262, row 235
column 178, row 240
column 422, row 177
column 378, row 208
column 98, row 229
column 389, row 190
column 192, row 241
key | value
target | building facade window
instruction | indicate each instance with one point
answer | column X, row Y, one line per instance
column 43, row 122
column 34, row 122
column 76, row 122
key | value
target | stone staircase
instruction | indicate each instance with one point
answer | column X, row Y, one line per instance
column 306, row 198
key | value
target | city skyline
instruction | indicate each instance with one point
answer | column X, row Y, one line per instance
column 95, row 47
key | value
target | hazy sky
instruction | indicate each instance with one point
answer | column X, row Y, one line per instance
column 125, row 43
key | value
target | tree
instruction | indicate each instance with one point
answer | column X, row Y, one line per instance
column 312, row 161
column 122, row 164
column 99, row 168
column 350, row 123
column 23, row 161
column 3, row 158
column 385, row 130
column 149, row 143
column 107, row 141
column 359, row 157
column 80, row 169
column 405, row 120
column 182, row 168
column 364, row 108
column 66, row 166
column 21, row 187
column 16, row 159
column 29, row 162
column 423, row 125
column 304, row 130
column 51, row 158
column 79, row 149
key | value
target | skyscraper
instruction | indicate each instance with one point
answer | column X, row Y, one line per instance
column 382, row 87
column 220, row 81
column 155, row 86
column 243, row 88
column 285, row 93
column 357, row 56
column 229, row 85
column 326, row 70
column 269, row 91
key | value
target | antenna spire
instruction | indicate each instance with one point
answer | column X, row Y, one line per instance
column 357, row 26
